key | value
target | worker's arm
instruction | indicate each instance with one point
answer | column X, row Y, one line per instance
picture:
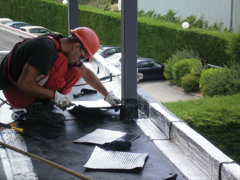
column 27, row 83
column 93, row 80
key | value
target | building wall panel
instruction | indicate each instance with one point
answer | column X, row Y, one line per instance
column 212, row 10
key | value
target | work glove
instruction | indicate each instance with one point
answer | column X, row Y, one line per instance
column 139, row 76
column 112, row 99
column 61, row 100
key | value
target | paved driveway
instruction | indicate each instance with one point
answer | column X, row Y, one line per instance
column 164, row 91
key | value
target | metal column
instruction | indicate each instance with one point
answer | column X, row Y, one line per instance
column 231, row 16
column 73, row 15
column 129, row 59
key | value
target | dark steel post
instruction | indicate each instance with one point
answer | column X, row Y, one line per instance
column 231, row 16
column 129, row 59
column 73, row 15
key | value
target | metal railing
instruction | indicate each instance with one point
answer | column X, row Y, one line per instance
column 213, row 66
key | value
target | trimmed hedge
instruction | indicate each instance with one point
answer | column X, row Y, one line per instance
column 156, row 39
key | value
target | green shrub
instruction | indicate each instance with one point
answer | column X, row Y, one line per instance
column 168, row 67
column 225, row 82
column 107, row 7
column 171, row 16
column 185, row 53
column 190, row 83
column 182, row 68
column 197, row 70
column 206, row 75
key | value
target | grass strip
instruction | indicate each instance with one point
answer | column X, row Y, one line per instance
column 216, row 118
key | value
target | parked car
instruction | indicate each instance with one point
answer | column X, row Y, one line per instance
column 37, row 30
column 16, row 24
column 5, row 20
column 150, row 68
column 115, row 59
column 106, row 51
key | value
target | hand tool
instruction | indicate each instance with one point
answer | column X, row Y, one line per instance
column 3, row 102
column 110, row 76
column 11, row 127
column 79, row 109
column 45, row 161
column 84, row 92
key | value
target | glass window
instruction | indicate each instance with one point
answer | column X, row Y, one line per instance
column 112, row 50
column 143, row 65
column 42, row 30
column 107, row 52
column 36, row 30
column 154, row 64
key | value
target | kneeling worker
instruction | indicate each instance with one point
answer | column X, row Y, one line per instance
column 44, row 69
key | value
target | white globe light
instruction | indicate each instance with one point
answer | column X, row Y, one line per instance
column 185, row 25
column 64, row 1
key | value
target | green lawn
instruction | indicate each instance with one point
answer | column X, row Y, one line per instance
column 216, row 118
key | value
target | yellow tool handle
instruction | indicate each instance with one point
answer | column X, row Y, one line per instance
column 11, row 127
column 17, row 129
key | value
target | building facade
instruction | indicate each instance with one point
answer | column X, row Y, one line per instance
column 225, row 11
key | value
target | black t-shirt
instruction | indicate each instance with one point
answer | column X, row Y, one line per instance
column 39, row 52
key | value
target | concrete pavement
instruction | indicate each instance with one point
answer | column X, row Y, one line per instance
column 164, row 91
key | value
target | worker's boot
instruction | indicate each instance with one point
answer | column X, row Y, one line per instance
column 41, row 111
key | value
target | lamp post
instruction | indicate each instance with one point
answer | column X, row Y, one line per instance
column 73, row 19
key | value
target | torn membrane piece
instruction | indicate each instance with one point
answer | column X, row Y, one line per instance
column 102, row 159
column 100, row 136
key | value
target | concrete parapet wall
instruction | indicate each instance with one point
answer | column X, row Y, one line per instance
column 204, row 156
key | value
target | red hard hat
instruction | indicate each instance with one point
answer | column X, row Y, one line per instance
column 88, row 38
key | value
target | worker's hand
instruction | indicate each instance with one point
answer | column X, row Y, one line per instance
column 112, row 99
column 139, row 76
column 61, row 100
